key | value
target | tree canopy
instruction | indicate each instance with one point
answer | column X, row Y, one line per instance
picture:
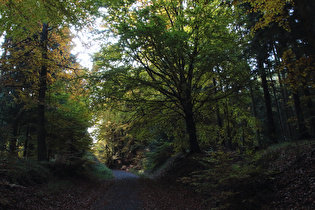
column 167, row 57
column 197, row 87
column 36, row 51
column 190, row 75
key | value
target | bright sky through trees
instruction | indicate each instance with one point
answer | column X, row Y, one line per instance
column 86, row 42
column 84, row 47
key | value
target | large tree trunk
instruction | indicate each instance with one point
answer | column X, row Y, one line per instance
column 191, row 129
column 271, row 124
column 41, row 140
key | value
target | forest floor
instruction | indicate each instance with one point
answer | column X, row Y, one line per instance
column 125, row 192
column 292, row 186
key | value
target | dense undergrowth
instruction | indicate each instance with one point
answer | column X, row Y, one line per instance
column 27, row 184
column 278, row 177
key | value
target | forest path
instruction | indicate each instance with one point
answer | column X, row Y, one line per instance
column 130, row 192
column 123, row 193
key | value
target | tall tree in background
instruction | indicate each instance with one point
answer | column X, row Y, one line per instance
column 293, row 42
column 166, row 57
column 35, row 20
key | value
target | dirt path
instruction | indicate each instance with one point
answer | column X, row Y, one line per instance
column 129, row 192
column 123, row 193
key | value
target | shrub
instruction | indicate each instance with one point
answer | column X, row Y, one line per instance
column 25, row 172
column 158, row 156
column 94, row 169
column 99, row 172
column 87, row 166
column 231, row 181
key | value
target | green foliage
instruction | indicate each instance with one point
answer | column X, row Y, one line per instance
column 229, row 122
column 36, row 54
column 87, row 166
column 27, row 172
column 96, row 170
column 99, row 171
column 163, row 64
column 159, row 153
column 19, row 16
column 155, row 126
column 282, row 45
column 281, row 152
column 231, row 181
column 67, row 125
column 116, row 146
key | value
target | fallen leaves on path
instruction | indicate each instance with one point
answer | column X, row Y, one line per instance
column 159, row 196
column 78, row 194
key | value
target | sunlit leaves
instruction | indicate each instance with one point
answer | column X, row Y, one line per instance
column 67, row 125
column 23, row 60
column 273, row 12
column 37, row 52
column 169, row 52
column 21, row 18
column 300, row 72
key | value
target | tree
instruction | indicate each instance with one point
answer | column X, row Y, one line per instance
column 115, row 145
column 34, row 20
column 19, row 86
column 166, row 57
column 296, row 48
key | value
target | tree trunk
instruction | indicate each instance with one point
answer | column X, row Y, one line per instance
column 303, row 10
column 277, row 106
column 300, row 118
column 27, row 140
column 310, row 106
column 285, row 107
column 191, row 129
column 271, row 124
column 217, row 110
column 41, row 140
column 14, row 139
column 13, row 147
column 228, row 141
column 254, row 112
